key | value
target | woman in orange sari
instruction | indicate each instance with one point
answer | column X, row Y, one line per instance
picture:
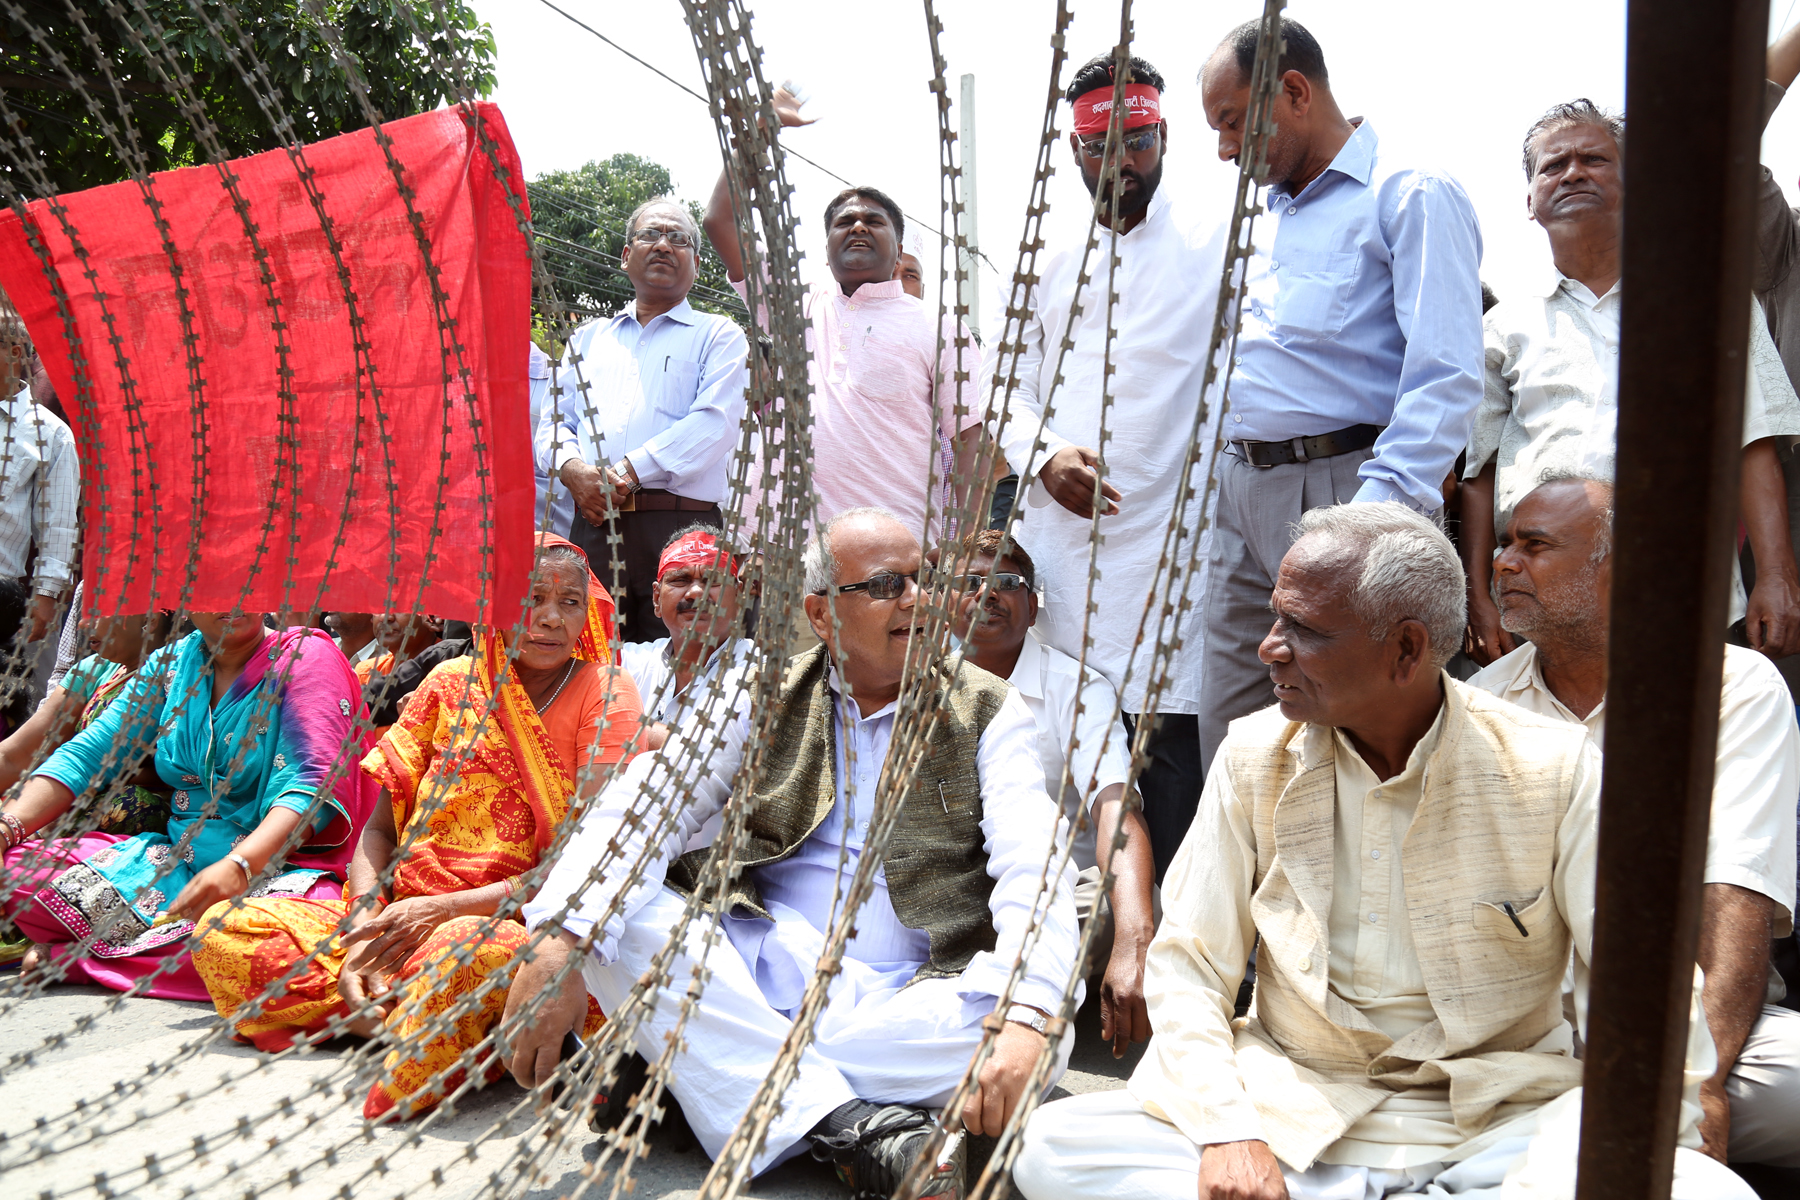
column 476, row 777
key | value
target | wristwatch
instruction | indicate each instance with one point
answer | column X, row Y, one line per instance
column 1031, row 1018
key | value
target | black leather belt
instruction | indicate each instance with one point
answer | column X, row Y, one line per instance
column 1300, row 449
column 659, row 500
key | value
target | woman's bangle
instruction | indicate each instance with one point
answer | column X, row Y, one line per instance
column 15, row 829
column 243, row 862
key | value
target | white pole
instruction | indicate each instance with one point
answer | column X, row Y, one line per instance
column 971, row 289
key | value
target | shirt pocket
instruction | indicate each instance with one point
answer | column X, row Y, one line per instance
column 676, row 385
column 1537, row 947
column 1313, row 296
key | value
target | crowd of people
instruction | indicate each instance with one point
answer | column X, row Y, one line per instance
column 1345, row 886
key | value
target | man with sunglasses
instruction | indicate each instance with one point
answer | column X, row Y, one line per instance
column 646, row 409
column 1077, row 724
column 935, row 941
column 1359, row 364
column 1114, row 412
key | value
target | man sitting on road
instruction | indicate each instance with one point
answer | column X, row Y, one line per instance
column 934, row 944
column 1077, row 714
column 1417, row 860
column 1552, row 584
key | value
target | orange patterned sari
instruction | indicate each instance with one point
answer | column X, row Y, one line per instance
column 479, row 788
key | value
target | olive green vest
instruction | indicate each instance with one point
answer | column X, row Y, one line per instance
column 936, row 860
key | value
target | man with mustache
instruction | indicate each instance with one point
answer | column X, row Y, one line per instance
column 1078, row 734
column 1552, row 584
column 889, row 378
column 1113, row 418
column 934, row 943
column 648, row 411
column 1551, row 392
column 1413, row 860
column 1358, row 366
column 698, row 596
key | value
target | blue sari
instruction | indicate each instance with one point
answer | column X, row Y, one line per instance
column 272, row 741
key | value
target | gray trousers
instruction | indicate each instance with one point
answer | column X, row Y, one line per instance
column 1252, row 531
column 1764, row 1087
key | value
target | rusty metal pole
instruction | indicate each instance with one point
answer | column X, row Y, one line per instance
column 1693, row 102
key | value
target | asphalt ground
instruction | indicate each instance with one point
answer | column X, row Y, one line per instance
column 296, row 1110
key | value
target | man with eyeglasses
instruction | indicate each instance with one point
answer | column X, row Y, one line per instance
column 1076, row 712
column 1114, row 412
column 935, row 941
column 888, row 377
column 1358, row 367
column 647, row 408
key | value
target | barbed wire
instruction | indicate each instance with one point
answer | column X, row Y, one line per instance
column 772, row 504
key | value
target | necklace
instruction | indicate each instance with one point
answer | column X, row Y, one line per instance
column 567, row 671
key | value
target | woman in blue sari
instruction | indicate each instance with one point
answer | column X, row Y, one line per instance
column 253, row 730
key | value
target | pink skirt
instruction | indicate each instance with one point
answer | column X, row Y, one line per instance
column 169, row 969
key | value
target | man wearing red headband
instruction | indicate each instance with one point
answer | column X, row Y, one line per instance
column 698, row 596
column 878, row 355
column 1166, row 287
column 1359, row 364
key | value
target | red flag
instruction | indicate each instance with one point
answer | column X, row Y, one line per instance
column 274, row 403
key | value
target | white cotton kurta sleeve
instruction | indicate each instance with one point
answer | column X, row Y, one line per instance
column 1019, row 823
column 615, row 834
column 1024, row 410
column 1189, row 1075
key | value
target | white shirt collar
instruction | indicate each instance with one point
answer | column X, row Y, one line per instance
column 1028, row 673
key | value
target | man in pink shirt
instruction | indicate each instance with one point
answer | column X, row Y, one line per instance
column 884, row 371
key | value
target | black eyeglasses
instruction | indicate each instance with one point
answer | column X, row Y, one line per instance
column 678, row 238
column 1142, row 139
column 885, row 585
column 999, row 581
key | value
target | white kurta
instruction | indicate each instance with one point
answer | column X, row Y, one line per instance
column 1167, row 285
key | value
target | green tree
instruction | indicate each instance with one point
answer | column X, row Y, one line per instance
column 579, row 218
column 401, row 48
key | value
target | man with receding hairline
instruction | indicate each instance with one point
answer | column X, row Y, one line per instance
column 1553, row 585
column 1358, row 366
column 1413, row 859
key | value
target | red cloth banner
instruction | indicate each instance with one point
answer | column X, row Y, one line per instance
column 395, row 473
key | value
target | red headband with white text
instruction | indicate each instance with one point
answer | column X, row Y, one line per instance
column 699, row 551
column 1143, row 106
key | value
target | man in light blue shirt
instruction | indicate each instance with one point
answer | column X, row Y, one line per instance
column 648, row 412
column 1359, row 365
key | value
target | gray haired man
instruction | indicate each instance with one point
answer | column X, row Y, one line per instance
column 935, row 942
column 1403, row 846
column 649, row 407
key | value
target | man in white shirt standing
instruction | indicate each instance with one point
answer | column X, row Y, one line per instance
column 1416, row 858
column 1166, row 285
column 1552, row 584
column 935, row 941
column 40, row 487
column 1358, row 366
column 1086, row 756
column 1550, row 400
column 649, row 410
column 554, row 504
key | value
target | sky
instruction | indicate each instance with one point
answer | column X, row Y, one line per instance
column 1449, row 85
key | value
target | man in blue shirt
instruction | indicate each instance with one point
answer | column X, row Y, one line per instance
column 1359, row 365
column 649, row 407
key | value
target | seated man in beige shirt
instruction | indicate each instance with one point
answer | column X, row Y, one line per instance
column 1417, row 858
column 1552, row 582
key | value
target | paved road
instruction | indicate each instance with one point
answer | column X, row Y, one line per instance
column 300, row 1134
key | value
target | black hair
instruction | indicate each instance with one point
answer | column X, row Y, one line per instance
column 1097, row 72
column 868, row 193
column 997, row 545
column 1488, row 299
column 1300, row 51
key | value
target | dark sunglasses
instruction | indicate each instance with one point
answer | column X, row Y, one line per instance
column 883, row 586
column 1138, row 140
column 999, row 581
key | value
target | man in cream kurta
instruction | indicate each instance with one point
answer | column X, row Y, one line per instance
column 1403, row 845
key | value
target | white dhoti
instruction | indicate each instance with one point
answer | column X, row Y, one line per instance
column 1105, row 1144
column 876, row 1040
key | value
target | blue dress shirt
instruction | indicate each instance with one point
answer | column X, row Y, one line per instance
column 668, row 395
column 1365, row 308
